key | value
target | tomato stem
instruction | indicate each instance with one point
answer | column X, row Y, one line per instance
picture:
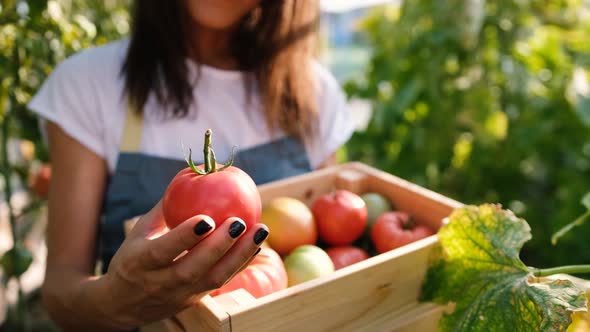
column 567, row 269
column 209, row 157
column 231, row 159
column 191, row 164
column 409, row 224
column 210, row 162
column 569, row 227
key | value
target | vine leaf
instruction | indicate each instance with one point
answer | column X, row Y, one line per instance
column 480, row 271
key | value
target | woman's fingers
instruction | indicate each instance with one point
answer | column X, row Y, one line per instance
column 240, row 254
column 214, row 256
column 195, row 265
column 163, row 250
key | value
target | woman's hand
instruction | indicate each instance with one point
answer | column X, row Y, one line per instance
column 148, row 281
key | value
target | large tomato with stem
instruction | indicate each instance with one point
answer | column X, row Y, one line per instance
column 266, row 274
column 219, row 191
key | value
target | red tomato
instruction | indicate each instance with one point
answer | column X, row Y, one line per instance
column 341, row 217
column 395, row 229
column 264, row 275
column 220, row 193
column 39, row 181
column 343, row 256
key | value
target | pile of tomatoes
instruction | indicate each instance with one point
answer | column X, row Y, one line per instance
column 338, row 229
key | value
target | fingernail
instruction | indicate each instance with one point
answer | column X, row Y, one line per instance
column 236, row 228
column 260, row 235
column 257, row 251
column 202, row 227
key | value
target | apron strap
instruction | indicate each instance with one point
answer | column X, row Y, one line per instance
column 131, row 140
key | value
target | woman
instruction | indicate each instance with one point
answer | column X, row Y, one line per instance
column 116, row 116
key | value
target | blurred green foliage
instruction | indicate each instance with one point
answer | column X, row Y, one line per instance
column 36, row 35
column 485, row 101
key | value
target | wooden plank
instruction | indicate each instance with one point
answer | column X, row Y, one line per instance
column 425, row 206
column 364, row 294
column 238, row 298
column 305, row 187
column 423, row 317
column 206, row 315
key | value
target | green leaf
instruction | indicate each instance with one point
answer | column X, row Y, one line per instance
column 16, row 261
column 480, row 271
column 586, row 200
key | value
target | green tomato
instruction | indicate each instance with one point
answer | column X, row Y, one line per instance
column 377, row 204
column 307, row 262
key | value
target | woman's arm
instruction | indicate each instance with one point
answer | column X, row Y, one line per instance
column 146, row 281
column 75, row 196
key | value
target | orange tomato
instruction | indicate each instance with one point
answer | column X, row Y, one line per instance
column 266, row 274
column 291, row 224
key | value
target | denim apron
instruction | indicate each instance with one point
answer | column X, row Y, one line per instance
column 139, row 180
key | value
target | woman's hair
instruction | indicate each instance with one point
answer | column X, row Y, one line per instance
column 275, row 42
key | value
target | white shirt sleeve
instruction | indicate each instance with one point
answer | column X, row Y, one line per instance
column 69, row 97
column 335, row 120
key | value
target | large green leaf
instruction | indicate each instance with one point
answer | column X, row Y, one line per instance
column 479, row 270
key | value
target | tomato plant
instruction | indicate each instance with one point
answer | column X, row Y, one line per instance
column 343, row 256
column 211, row 189
column 395, row 229
column 341, row 217
column 266, row 274
column 453, row 107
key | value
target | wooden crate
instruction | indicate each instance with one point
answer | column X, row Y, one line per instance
column 378, row 294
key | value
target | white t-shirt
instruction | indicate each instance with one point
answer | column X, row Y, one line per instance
column 84, row 96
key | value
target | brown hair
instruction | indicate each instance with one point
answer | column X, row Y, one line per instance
column 275, row 42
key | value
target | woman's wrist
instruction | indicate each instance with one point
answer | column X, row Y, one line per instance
column 98, row 294
column 87, row 306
